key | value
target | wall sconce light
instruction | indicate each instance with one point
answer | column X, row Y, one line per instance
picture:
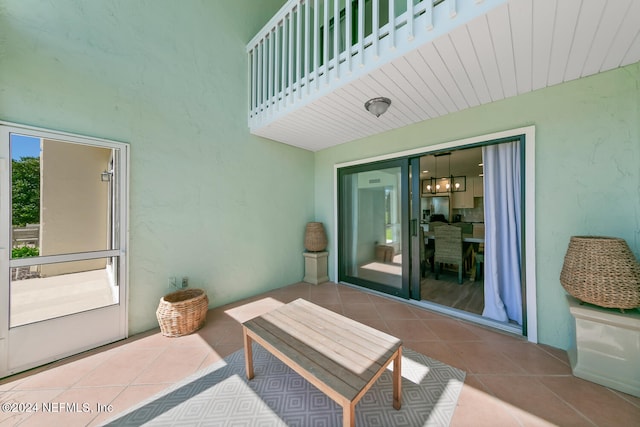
column 106, row 176
column 377, row 106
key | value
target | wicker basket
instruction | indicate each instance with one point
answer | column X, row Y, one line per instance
column 315, row 239
column 182, row 312
column 601, row 271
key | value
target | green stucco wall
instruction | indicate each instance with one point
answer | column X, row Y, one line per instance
column 208, row 200
column 227, row 209
column 587, row 170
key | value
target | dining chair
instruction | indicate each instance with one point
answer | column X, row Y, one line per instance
column 467, row 228
column 435, row 224
column 426, row 254
column 448, row 249
column 480, row 260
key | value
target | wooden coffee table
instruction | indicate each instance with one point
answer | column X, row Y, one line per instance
column 341, row 357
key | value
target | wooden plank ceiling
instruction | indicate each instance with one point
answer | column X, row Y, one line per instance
column 521, row 46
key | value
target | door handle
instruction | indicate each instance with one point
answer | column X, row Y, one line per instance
column 414, row 227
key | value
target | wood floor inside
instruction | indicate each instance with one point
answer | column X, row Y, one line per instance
column 446, row 291
column 468, row 296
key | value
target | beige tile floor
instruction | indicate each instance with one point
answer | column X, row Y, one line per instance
column 509, row 382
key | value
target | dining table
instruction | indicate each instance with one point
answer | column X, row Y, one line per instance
column 472, row 251
column 466, row 238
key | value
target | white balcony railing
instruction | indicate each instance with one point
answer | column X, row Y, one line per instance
column 302, row 50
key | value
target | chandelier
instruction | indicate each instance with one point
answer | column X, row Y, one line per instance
column 445, row 184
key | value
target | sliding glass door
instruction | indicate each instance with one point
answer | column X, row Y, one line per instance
column 388, row 212
column 374, row 248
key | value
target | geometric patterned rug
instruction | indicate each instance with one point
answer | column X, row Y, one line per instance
column 220, row 395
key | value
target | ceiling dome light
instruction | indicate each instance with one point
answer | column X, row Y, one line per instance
column 377, row 106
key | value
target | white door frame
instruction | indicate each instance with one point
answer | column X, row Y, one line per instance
column 34, row 344
column 529, row 176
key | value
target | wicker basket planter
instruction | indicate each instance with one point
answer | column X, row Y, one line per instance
column 182, row 312
column 315, row 238
column 601, row 271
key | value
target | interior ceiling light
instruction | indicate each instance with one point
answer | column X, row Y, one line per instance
column 445, row 184
column 377, row 106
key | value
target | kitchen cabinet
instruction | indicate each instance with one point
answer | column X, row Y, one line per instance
column 478, row 186
column 463, row 199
